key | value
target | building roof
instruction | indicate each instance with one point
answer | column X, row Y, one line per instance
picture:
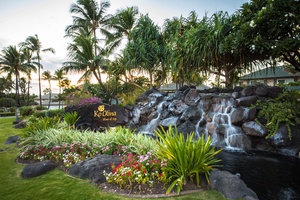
column 172, row 87
column 270, row 73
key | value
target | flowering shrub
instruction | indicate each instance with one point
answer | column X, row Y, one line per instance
column 142, row 169
column 68, row 154
column 81, row 98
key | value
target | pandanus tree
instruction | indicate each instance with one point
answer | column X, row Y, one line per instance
column 215, row 48
column 12, row 63
column 146, row 51
column 33, row 44
column 175, row 32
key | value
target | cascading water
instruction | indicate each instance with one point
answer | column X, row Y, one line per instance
column 149, row 128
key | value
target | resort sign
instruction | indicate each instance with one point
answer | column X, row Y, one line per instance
column 99, row 115
column 105, row 114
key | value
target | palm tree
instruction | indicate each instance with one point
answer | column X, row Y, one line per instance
column 46, row 75
column 34, row 45
column 27, row 55
column 12, row 63
column 59, row 75
column 121, row 24
column 83, row 59
column 88, row 15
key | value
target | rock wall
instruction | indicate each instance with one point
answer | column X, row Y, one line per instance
column 225, row 115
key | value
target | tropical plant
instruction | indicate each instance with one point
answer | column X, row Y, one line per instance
column 186, row 159
column 122, row 23
column 26, row 111
column 136, row 170
column 146, row 51
column 283, row 110
column 7, row 102
column 37, row 125
column 71, row 118
column 271, row 28
column 27, row 55
column 46, row 75
column 34, row 45
column 59, row 75
column 12, row 63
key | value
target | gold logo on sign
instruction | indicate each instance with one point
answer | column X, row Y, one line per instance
column 101, row 108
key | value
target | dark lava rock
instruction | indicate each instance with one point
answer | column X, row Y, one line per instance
column 37, row 169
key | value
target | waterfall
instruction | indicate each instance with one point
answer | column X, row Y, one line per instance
column 149, row 128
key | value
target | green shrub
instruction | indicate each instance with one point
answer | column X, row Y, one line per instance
column 55, row 112
column 7, row 102
column 71, row 118
column 285, row 109
column 26, row 111
column 41, row 108
column 186, row 158
column 36, row 125
column 12, row 109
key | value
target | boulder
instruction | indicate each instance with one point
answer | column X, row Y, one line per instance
column 231, row 186
column 37, row 169
column 254, row 129
column 261, row 91
column 92, row 168
column 192, row 98
column 12, row 139
column 248, row 91
column 247, row 101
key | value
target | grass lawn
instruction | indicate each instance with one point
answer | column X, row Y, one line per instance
column 55, row 184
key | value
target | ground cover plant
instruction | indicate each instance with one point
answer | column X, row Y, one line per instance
column 284, row 109
column 57, row 184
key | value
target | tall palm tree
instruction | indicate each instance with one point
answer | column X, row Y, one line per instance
column 59, row 75
column 35, row 46
column 46, row 75
column 121, row 25
column 27, row 55
column 83, row 60
column 90, row 15
column 12, row 62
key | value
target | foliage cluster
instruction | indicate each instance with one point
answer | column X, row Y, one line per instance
column 136, row 169
column 26, row 111
column 7, row 102
column 186, row 158
column 284, row 109
column 81, row 98
column 145, row 160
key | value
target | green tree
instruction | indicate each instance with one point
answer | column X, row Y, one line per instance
column 271, row 28
column 12, row 63
column 27, row 55
column 176, row 31
column 60, row 76
column 5, row 84
column 46, row 75
column 33, row 44
column 90, row 16
column 146, row 51
column 121, row 24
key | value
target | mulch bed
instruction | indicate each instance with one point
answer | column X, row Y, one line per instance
column 137, row 190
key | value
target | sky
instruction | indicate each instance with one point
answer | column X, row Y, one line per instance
column 49, row 18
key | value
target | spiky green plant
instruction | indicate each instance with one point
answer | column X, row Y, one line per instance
column 71, row 118
column 186, row 158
